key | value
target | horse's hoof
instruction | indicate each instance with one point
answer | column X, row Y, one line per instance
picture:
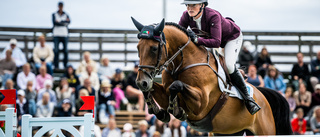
column 163, row 116
column 181, row 115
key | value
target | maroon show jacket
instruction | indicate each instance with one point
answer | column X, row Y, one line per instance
column 221, row 30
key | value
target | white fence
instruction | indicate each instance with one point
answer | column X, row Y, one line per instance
column 10, row 118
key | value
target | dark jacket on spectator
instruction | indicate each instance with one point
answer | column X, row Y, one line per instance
column 315, row 72
column 301, row 72
column 132, row 80
column 103, row 99
column 25, row 108
column 245, row 58
column 72, row 80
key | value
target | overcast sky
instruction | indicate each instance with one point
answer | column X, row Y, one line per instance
column 250, row 15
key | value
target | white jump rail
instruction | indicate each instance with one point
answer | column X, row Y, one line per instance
column 10, row 118
column 58, row 123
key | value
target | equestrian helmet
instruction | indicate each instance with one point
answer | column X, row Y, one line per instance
column 195, row 2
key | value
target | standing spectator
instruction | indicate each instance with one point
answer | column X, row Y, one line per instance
column 143, row 129
column 316, row 96
column 119, row 85
column 90, row 74
column 315, row 121
column 85, row 62
column 17, row 54
column 63, row 91
column 177, row 130
column 274, row 80
column 31, row 97
column 47, row 89
column 303, row 98
column 111, row 130
column 65, row 109
column 72, row 78
column 245, row 57
column 132, row 89
column 43, row 55
column 22, row 106
column 160, row 127
column 79, row 103
column 106, row 102
column 263, row 62
column 127, row 130
column 44, row 106
column 87, row 85
column 299, row 124
column 60, row 21
column 7, row 68
column 300, row 72
column 42, row 77
column 291, row 100
column 25, row 76
column 254, row 78
column 315, row 70
column 105, row 71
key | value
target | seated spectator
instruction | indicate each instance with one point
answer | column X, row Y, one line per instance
column 88, row 87
column 245, row 57
column 299, row 124
column 316, row 96
column 96, row 128
column 65, row 108
column 43, row 55
column 42, row 77
column 106, row 102
column 9, row 84
column 143, row 129
column 161, row 128
column 315, row 121
column 93, row 76
column 303, row 98
column 263, row 62
column 315, row 70
column 177, row 130
column 22, row 106
column 45, row 107
column 132, row 89
column 31, row 97
column 7, row 68
column 25, row 76
column 118, row 86
column 300, row 72
column 79, row 103
column 111, row 130
column 127, row 130
column 156, row 134
column 63, row 91
column 85, row 62
column 47, row 89
column 274, row 80
column 291, row 100
column 17, row 54
column 253, row 77
column 72, row 78
column 105, row 71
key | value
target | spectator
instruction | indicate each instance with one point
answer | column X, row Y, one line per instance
column 22, row 106
column 73, row 79
column 106, row 102
column 105, row 71
column 132, row 89
column 79, row 103
column 299, row 124
column 161, row 128
column 156, row 134
column 87, row 85
column 177, row 130
column 17, row 54
column 65, row 109
column 315, row 70
column 7, row 67
column 316, row 96
column 300, row 72
column 315, row 120
column 254, row 78
column 43, row 55
column 303, row 98
column 97, row 131
column 93, row 76
column 63, row 91
column 60, row 21
column 47, row 89
column 111, row 130
column 119, row 85
column 142, row 129
column 85, row 62
column 42, row 77
column 263, row 62
column 25, row 76
column 274, row 80
column 31, row 97
column 127, row 131
column 245, row 57
column 291, row 100
column 45, row 107
column 9, row 84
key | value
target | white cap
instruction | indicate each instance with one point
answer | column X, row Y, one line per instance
column 47, row 82
column 247, row 44
column 13, row 41
column 127, row 127
column 21, row 92
column 317, row 86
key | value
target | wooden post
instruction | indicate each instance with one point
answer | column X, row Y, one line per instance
column 25, row 50
column 256, row 42
column 311, row 51
column 299, row 43
column 26, row 130
column 100, row 47
column 81, row 41
column 125, row 49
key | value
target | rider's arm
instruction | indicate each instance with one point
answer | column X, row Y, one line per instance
column 214, row 22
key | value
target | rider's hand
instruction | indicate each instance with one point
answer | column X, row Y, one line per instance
column 193, row 36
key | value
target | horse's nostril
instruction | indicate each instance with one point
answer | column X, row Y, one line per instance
column 144, row 84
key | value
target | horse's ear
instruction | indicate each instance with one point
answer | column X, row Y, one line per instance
column 138, row 25
column 159, row 28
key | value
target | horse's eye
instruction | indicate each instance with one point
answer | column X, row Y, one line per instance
column 154, row 49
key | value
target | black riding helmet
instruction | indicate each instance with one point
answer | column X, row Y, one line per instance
column 205, row 2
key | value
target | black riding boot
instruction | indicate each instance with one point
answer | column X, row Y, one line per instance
column 238, row 81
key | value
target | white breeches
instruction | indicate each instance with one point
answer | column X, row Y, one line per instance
column 231, row 52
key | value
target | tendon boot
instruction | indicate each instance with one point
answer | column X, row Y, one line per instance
column 238, row 81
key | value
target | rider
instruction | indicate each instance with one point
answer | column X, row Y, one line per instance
column 220, row 32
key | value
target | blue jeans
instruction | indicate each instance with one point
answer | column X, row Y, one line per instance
column 32, row 107
column 102, row 112
column 56, row 41
column 49, row 67
column 5, row 77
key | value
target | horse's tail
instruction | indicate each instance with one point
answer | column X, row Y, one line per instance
column 280, row 110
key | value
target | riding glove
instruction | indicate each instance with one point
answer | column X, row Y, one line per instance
column 193, row 36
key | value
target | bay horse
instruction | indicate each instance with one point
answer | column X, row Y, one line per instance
column 190, row 92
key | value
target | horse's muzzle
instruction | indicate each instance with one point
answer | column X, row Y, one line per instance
column 144, row 84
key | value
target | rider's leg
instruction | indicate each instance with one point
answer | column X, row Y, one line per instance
column 232, row 50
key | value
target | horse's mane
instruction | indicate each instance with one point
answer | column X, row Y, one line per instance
column 178, row 26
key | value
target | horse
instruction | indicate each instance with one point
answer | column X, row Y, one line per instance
column 189, row 88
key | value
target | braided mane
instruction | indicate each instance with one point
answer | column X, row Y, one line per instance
column 178, row 26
